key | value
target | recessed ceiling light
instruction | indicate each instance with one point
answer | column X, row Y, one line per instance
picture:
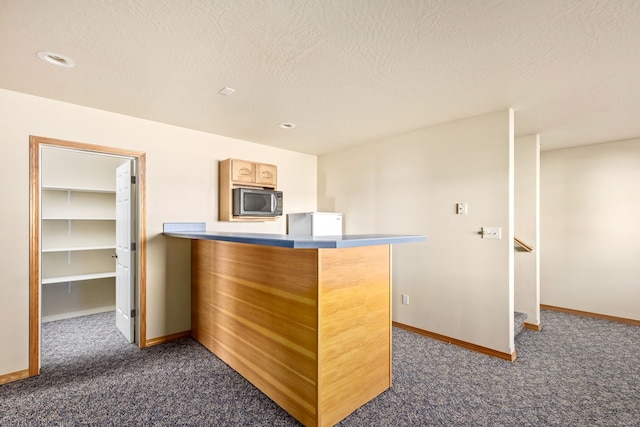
column 57, row 59
column 226, row 91
column 287, row 125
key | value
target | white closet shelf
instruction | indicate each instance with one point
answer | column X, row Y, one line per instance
column 78, row 218
column 79, row 189
column 78, row 277
column 78, row 248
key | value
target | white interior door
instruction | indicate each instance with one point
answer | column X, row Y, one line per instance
column 125, row 265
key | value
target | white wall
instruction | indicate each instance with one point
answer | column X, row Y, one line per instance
column 182, row 167
column 459, row 284
column 590, row 228
column 527, row 221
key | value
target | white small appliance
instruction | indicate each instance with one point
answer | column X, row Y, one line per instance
column 315, row 223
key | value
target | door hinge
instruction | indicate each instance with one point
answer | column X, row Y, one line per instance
column 133, row 179
column 133, row 246
column 133, row 313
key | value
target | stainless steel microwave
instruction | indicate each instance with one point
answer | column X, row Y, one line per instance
column 256, row 202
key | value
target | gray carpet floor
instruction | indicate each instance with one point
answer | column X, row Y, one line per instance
column 576, row 372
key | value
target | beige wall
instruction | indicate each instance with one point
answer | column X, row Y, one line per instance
column 590, row 228
column 459, row 284
column 181, row 186
column 527, row 221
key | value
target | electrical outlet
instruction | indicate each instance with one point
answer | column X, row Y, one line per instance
column 405, row 299
column 492, row 232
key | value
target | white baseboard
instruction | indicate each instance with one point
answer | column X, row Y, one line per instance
column 73, row 314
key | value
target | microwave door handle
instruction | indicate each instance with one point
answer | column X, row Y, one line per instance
column 273, row 203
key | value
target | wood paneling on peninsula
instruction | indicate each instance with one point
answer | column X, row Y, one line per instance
column 311, row 328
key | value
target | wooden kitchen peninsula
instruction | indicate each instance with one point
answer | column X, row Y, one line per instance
column 305, row 319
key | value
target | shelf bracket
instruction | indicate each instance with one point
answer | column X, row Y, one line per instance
column 69, row 288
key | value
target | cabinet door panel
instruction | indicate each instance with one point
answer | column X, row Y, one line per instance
column 242, row 171
column 266, row 174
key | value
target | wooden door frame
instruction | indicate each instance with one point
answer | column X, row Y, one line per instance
column 35, row 143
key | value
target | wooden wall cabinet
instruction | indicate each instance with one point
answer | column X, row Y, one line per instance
column 234, row 173
column 246, row 173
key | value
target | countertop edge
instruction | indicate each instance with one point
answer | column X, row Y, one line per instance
column 299, row 241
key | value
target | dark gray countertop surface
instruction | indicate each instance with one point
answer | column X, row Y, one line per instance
column 288, row 240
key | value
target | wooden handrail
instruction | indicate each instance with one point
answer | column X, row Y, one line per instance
column 522, row 245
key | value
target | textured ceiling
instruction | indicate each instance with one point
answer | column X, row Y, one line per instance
column 345, row 72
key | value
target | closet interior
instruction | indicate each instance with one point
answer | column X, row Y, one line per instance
column 78, row 233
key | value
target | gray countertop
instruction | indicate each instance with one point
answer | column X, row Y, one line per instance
column 198, row 231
